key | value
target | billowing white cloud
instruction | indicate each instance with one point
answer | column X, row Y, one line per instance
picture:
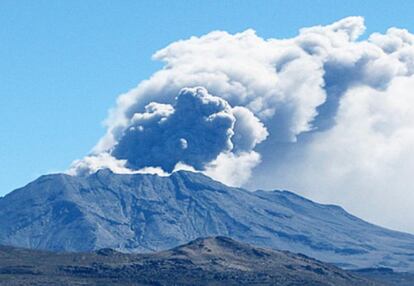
column 248, row 130
column 365, row 160
column 322, row 113
column 232, row 168
column 91, row 164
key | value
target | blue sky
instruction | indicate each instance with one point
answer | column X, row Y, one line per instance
column 63, row 63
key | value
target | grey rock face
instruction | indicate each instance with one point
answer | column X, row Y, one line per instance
column 147, row 213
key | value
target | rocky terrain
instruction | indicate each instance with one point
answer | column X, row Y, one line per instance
column 148, row 213
column 209, row 261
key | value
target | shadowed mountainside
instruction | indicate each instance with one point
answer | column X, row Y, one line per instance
column 209, row 261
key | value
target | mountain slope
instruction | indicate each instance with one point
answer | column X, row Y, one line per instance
column 146, row 213
column 205, row 261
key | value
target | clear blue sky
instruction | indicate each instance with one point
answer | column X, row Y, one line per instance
column 63, row 63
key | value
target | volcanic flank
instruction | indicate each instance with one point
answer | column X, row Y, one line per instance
column 147, row 213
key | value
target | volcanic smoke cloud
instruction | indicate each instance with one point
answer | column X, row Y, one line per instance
column 323, row 113
column 193, row 131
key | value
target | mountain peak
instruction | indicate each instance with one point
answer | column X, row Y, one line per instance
column 219, row 246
